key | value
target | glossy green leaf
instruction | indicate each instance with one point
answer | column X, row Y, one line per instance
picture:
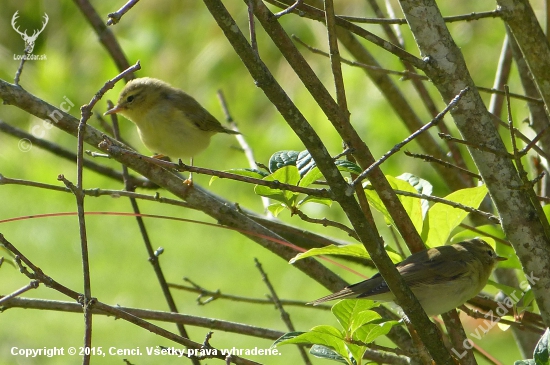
column 348, row 166
column 541, row 355
column 281, row 159
column 305, row 163
column 324, row 352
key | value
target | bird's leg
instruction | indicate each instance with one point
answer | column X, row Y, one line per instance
column 189, row 180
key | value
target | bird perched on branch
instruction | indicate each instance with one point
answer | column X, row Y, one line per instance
column 441, row 278
column 170, row 122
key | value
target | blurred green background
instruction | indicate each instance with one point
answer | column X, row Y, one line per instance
column 179, row 42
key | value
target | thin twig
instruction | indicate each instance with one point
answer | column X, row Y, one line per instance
column 39, row 275
column 317, row 14
column 323, row 193
column 533, row 142
column 523, row 137
column 20, row 69
column 428, row 158
column 32, row 285
column 105, row 36
column 252, row 27
column 449, row 19
column 326, row 223
column 523, row 174
column 71, row 156
column 243, row 143
column 482, row 233
column 147, row 314
column 289, row 9
column 87, row 301
column 405, row 74
column 115, row 17
column 496, row 318
column 218, row 294
column 477, row 146
column 400, row 145
column 335, row 59
column 284, row 314
column 413, row 75
column 436, row 199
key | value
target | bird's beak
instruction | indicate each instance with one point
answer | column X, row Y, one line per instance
column 113, row 110
column 500, row 258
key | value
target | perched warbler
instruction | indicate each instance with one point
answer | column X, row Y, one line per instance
column 441, row 278
column 169, row 121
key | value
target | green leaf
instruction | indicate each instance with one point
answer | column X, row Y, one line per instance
column 412, row 205
column 525, row 362
column 276, row 208
column 353, row 250
column 281, row 159
column 257, row 174
column 421, row 186
column 370, row 332
column 313, row 174
column 286, row 336
column 526, row 301
column 356, row 351
column 443, row 218
column 305, row 163
column 541, row 355
column 320, row 335
column 508, row 290
column 324, row 352
column 362, row 319
column 310, row 177
column 315, row 199
column 288, row 175
column 347, row 311
column 348, row 166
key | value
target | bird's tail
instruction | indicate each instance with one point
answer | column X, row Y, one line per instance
column 342, row 294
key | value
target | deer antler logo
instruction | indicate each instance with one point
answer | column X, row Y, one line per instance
column 29, row 40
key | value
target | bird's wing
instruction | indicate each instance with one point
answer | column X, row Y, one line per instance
column 432, row 270
column 199, row 116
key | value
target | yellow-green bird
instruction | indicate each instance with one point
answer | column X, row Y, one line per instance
column 170, row 122
column 441, row 278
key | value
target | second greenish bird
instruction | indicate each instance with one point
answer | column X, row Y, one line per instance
column 441, row 278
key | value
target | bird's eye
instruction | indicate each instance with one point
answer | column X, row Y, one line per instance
column 130, row 98
column 491, row 253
